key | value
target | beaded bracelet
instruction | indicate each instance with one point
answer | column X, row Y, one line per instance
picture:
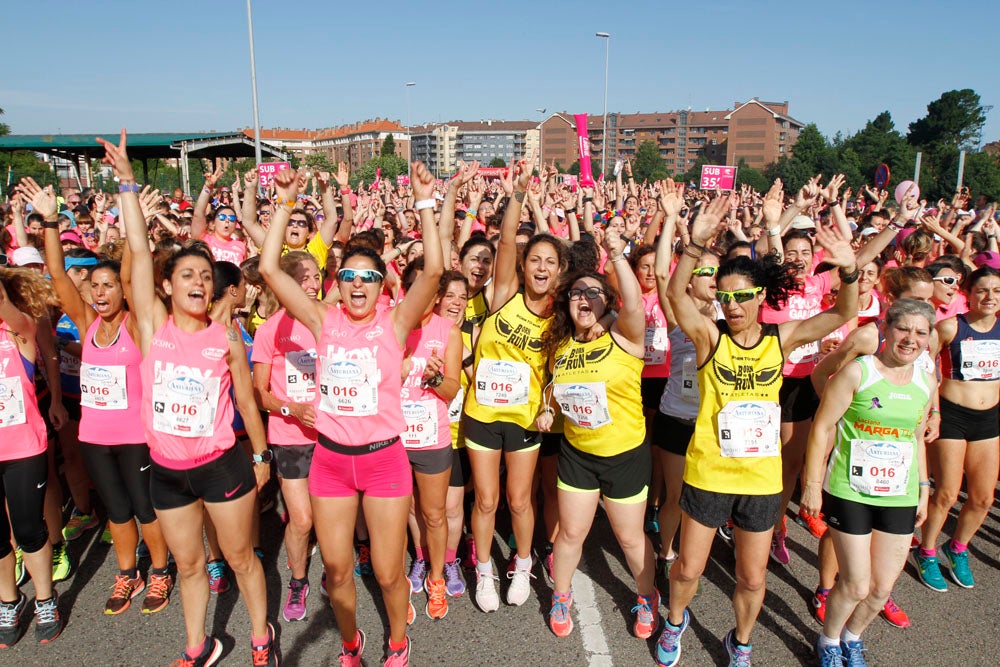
column 125, row 187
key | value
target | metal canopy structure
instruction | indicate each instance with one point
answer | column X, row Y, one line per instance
column 142, row 147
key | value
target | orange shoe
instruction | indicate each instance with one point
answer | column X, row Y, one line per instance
column 813, row 524
column 411, row 613
column 560, row 620
column 437, row 599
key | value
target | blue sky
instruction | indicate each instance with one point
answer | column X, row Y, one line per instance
column 183, row 65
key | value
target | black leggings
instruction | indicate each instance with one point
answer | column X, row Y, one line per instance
column 22, row 493
column 120, row 474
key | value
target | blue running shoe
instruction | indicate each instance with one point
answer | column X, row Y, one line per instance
column 854, row 653
column 929, row 572
column 957, row 565
column 830, row 655
column 739, row 654
column 668, row 646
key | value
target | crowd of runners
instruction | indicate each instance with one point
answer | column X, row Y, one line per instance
column 419, row 366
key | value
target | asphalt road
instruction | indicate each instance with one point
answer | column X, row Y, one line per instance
column 957, row 627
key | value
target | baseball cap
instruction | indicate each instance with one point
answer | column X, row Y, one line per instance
column 26, row 256
column 71, row 237
column 987, row 258
column 803, row 222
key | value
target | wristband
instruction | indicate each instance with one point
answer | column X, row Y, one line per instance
column 281, row 201
column 125, row 187
column 471, row 211
column 618, row 258
column 570, row 210
column 548, row 410
column 345, row 191
column 934, row 411
column 894, row 227
column 926, row 483
column 588, row 200
column 50, row 224
column 774, row 231
column 850, row 278
column 470, row 215
column 695, row 245
column 423, row 203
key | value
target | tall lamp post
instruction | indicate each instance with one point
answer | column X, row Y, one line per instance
column 253, row 86
column 409, row 139
column 604, row 132
column 541, row 162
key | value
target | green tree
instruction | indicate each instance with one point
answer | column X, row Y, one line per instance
column 982, row 174
column 497, row 162
column 18, row 164
column 388, row 146
column 648, row 163
column 693, row 174
column 747, row 175
column 320, row 162
column 877, row 143
column 4, row 127
column 391, row 166
column 955, row 120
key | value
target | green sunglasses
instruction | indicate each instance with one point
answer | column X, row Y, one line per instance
column 740, row 295
column 707, row 271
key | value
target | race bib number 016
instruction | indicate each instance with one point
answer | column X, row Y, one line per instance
column 502, row 382
column 300, row 375
column 880, row 468
column 980, row 360
column 584, row 403
column 349, row 387
column 750, row 429
column 103, row 387
column 185, row 406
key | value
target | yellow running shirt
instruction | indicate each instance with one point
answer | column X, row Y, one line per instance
column 597, row 388
column 510, row 367
column 736, row 447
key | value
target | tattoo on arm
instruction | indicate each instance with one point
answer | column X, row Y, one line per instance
column 519, row 196
column 231, row 334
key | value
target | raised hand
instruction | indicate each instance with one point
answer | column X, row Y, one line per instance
column 43, row 200
column 148, row 200
column 422, row 181
column 117, row 157
column 250, row 179
column 830, row 192
column 286, row 185
column 838, row 246
column 710, row 221
column 100, row 202
column 773, row 203
column 213, row 178
column 323, row 178
column 910, row 206
column 343, row 176
column 809, row 192
column 671, row 197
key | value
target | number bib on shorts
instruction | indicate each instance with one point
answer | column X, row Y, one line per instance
column 585, row 403
column 455, row 407
column 300, row 375
column 980, row 360
column 103, row 387
column 502, row 382
column 421, row 424
column 880, row 468
column 11, row 402
column 349, row 387
column 689, row 378
column 657, row 344
column 750, row 429
column 185, row 406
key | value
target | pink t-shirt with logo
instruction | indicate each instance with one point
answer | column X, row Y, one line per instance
column 426, row 414
column 233, row 250
column 111, row 390
column 802, row 304
column 289, row 348
column 186, row 409
column 358, row 379
column 22, row 430
column 657, row 342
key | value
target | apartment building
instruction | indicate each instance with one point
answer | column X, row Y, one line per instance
column 358, row 143
column 299, row 143
column 765, row 131
column 441, row 146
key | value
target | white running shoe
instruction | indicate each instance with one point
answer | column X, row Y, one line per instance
column 520, row 584
column 486, row 591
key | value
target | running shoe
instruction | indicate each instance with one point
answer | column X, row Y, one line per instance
column 830, row 655
column 454, row 583
column 157, row 592
column 560, row 620
column 10, row 620
column 652, row 524
column 957, row 565
column 779, row 549
column 322, row 586
column 363, row 563
column 664, row 564
column 437, row 599
column 914, row 542
column 814, row 524
column 295, row 603
column 647, row 615
column 106, row 535
column 20, row 571
column 545, row 557
column 124, row 589
column 400, row 658
column 469, row 560
column 218, row 576
column 208, row 656
column 819, row 604
column 668, row 646
column 353, row 658
column 48, row 622
column 411, row 613
column 854, row 653
column 726, row 532
column 929, row 572
column 520, row 583
column 78, row 524
column 259, row 553
column 894, row 615
column 61, row 563
column 739, row 654
column 486, row 591
column 418, row 570
column 265, row 655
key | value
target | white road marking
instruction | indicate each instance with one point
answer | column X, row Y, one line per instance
column 589, row 615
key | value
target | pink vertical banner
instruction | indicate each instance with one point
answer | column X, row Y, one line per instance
column 583, row 150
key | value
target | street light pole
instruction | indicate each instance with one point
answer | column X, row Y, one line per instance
column 541, row 162
column 253, row 86
column 604, row 132
column 409, row 139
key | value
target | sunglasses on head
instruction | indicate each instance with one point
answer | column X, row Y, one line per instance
column 299, row 222
column 589, row 293
column 366, row 275
column 947, row 280
column 707, row 271
column 740, row 295
column 223, row 216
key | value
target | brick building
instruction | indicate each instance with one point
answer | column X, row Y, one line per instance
column 358, row 143
column 441, row 146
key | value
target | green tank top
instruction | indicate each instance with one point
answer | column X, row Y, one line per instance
column 874, row 459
